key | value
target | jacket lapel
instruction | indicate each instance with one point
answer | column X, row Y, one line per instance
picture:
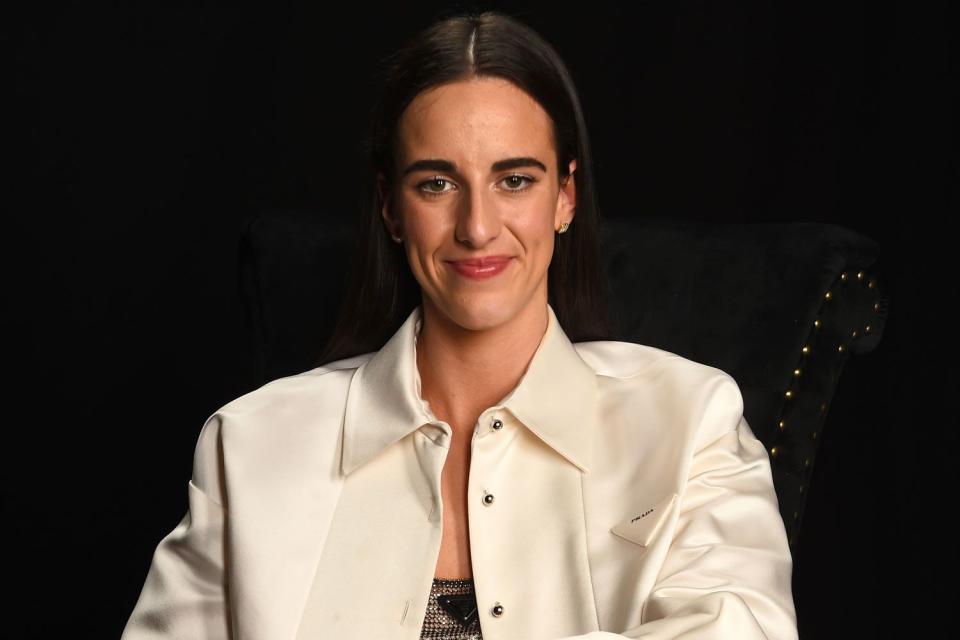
column 556, row 398
column 285, row 480
column 384, row 402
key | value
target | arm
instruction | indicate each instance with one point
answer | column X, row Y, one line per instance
column 184, row 595
column 728, row 571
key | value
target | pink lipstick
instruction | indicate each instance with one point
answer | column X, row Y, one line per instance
column 480, row 268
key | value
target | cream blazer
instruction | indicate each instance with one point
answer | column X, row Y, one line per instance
column 616, row 492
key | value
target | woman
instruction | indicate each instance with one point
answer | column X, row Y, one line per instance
column 479, row 473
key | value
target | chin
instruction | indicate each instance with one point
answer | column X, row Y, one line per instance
column 478, row 311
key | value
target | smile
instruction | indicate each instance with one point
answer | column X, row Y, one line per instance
column 481, row 268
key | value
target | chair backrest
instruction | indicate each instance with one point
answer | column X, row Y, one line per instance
column 778, row 306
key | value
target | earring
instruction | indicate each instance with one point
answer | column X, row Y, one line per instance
column 396, row 239
column 563, row 227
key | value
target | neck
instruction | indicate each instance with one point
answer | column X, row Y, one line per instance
column 465, row 371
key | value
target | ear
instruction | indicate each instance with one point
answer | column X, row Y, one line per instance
column 386, row 207
column 567, row 197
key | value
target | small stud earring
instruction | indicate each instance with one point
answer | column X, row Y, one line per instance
column 396, row 239
column 563, row 227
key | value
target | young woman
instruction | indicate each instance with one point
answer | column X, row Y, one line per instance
column 474, row 457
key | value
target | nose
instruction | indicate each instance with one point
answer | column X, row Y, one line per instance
column 478, row 219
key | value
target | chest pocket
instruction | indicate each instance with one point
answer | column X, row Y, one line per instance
column 641, row 528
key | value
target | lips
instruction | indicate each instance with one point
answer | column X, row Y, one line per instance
column 480, row 268
column 480, row 263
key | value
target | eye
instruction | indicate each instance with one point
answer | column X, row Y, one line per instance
column 514, row 182
column 515, row 178
column 423, row 186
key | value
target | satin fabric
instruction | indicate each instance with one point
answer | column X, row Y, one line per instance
column 630, row 499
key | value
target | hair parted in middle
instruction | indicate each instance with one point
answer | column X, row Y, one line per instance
column 382, row 290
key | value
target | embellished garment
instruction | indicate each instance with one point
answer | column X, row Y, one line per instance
column 451, row 611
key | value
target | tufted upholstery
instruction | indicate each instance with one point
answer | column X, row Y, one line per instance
column 780, row 307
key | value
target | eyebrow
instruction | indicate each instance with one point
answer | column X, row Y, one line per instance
column 450, row 167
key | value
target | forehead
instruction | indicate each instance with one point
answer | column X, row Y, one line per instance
column 476, row 120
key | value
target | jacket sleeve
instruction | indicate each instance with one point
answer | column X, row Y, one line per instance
column 728, row 570
column 184, row 595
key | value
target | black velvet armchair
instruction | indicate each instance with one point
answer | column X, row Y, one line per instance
column 780, row 307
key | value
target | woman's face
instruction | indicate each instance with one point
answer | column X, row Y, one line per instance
column 477, row 177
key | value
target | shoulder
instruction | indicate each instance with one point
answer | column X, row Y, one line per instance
column 321, row 385
column 301, row 411
column 653, row 380
column 632, row 361
column 315, row 395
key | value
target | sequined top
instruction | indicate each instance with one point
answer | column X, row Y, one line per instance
column 451, row 611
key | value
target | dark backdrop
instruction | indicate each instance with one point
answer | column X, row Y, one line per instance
column 144, row 134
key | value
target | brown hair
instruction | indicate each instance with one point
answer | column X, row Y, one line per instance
column 382, row 291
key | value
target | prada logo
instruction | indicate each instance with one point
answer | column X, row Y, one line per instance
column 462, row 607
column 641, row 528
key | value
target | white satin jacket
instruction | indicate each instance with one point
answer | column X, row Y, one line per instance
column 630, row 500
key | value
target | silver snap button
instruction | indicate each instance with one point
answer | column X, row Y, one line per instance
column 487, row 498
column 497, row 610
column 498, row 424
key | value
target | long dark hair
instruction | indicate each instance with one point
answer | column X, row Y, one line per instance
column 382, row 290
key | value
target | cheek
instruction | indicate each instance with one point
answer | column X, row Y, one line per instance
column 424, row 231
column 536, row 231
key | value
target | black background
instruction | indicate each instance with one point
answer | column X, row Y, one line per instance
column 145, row 134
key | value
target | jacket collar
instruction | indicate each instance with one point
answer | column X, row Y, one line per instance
column 556, row 398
